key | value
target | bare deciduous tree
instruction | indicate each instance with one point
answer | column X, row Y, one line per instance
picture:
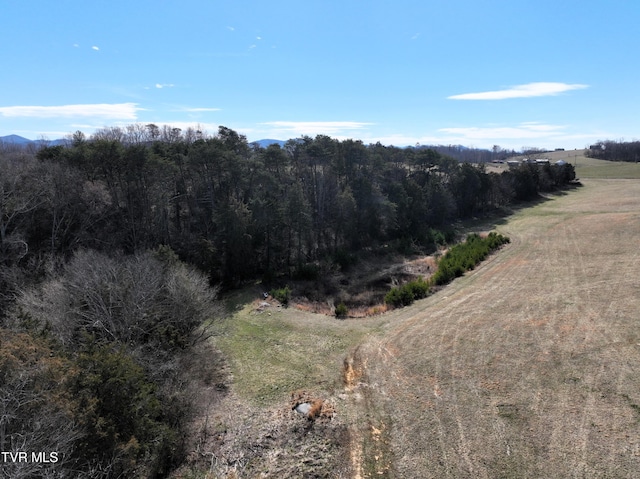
column 134, row 300
column 21, row 192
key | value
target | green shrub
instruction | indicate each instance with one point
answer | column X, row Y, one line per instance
column 465, row 256
column 419, row 288
column 282, row 294
column 398, row 297
column 393, row 297
column 120, row 411
column 496, row 240
column 341, row 310
column 407, row 293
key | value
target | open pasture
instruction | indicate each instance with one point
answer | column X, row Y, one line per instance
column 527, row 367
column 585, row 167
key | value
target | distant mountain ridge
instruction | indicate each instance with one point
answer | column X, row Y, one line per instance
column 19, row 140
column 22, row 141
column 265, row 143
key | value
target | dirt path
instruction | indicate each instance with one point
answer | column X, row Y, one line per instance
column 528, row 367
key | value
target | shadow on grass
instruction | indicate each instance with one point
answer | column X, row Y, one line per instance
column 500, row 216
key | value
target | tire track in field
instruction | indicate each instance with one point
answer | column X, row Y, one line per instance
column 585, row 321
column 549, row 317
column 596, row 311
column 510, row 367
column 445, row 351
column 507, row 274
column 454, row 321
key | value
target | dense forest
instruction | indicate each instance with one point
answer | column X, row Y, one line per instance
column 238, row 212
column 615, row 151
column 112, row 246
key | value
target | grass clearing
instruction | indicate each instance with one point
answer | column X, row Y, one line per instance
column 592, row 168
column 276, row 350
column 277, row 357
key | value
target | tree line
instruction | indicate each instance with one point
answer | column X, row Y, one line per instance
column 615, row 151
column 109, row 246
column 237, row 211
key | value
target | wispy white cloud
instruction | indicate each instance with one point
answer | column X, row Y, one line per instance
column 522, row 91
column 85, row 126
column 299, row 128
column 522, row 131
column 514, row 136
column 198, row 110
column 114, row 111
column 231, row 29
column 164, row 85
column 507, row 136
column 95, row 48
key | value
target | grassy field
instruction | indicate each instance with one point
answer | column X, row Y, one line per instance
column 276, row 350
column 526, row 367
column 275, row 355
column 592, row 168
column 588, row 167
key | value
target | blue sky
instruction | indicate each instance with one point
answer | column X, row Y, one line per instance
column 513, row 73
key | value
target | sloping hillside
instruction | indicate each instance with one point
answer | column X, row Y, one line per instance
column 527, row 367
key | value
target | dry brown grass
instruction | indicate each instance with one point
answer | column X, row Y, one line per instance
column 526, row 367
column 253, row 431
